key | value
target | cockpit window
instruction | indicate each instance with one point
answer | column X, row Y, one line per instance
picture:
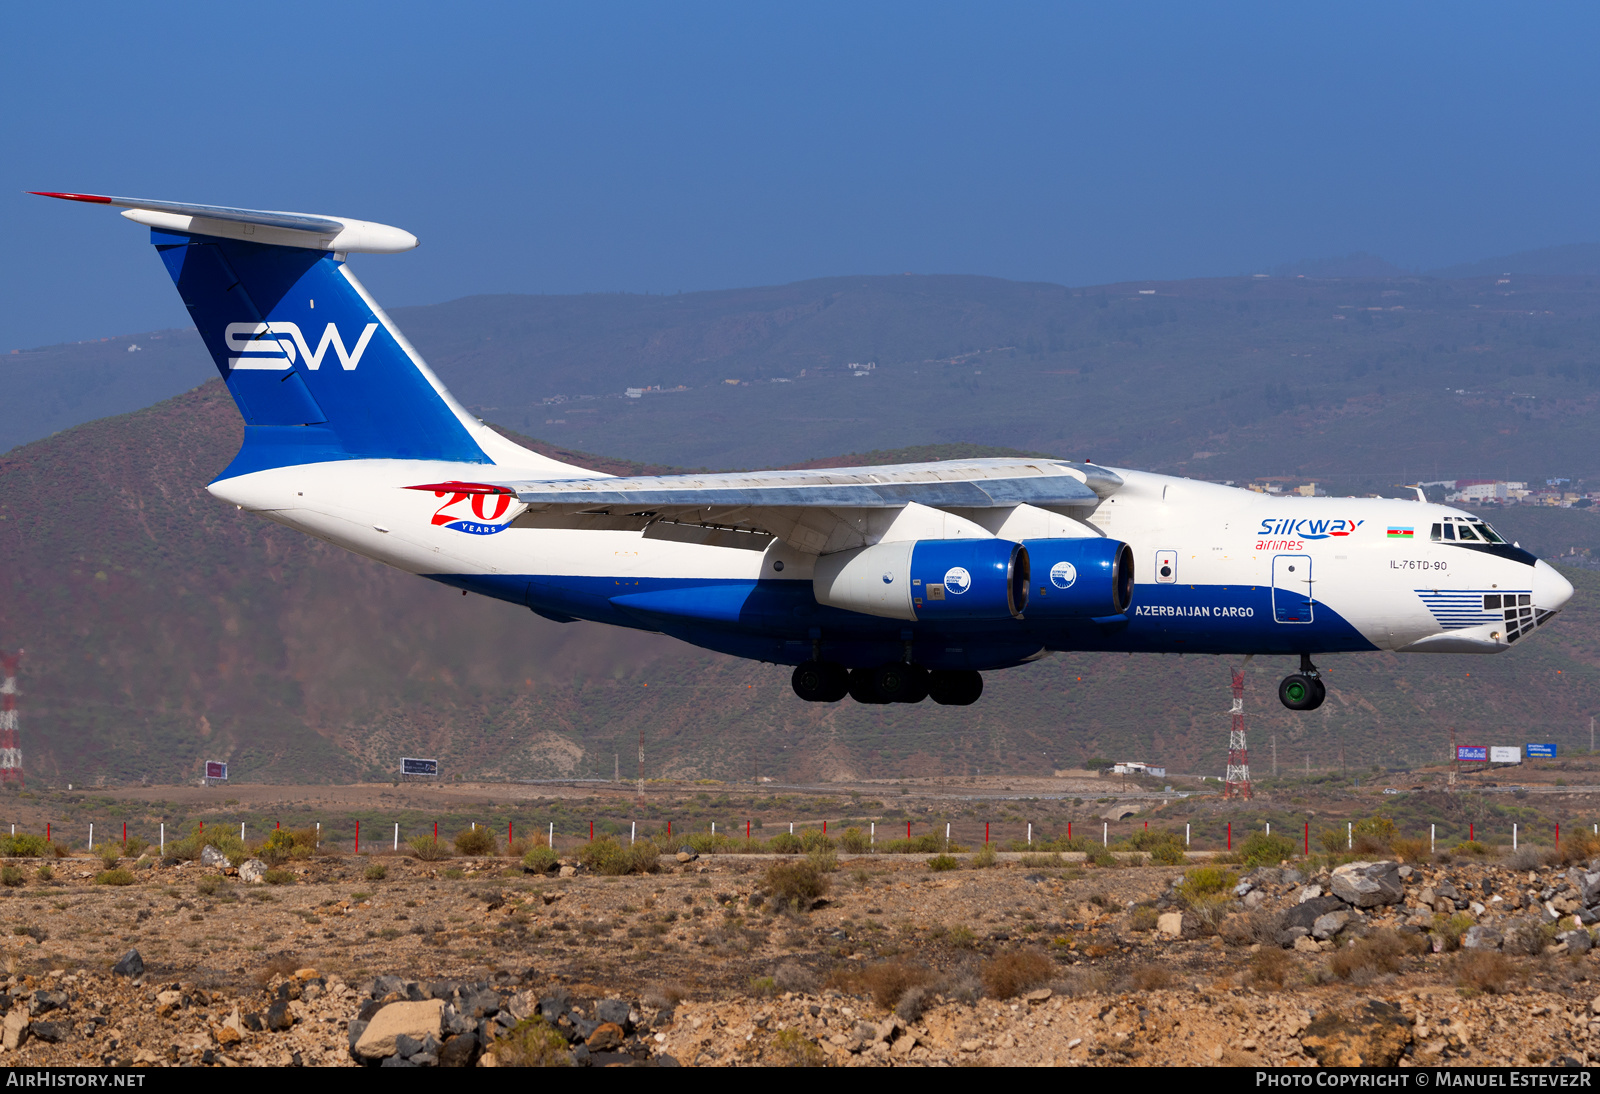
column 1466, row 533
column 1449, row 533
column 1488, row 533
column 1437, row 533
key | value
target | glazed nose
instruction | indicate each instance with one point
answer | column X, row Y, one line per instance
column 1550, row 590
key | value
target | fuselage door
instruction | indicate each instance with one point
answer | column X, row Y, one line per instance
column 1291, row 588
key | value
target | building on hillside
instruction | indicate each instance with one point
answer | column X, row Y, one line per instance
column 1482, row 491
column 1134, row 767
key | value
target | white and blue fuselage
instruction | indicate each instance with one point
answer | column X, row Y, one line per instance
column 887, row 583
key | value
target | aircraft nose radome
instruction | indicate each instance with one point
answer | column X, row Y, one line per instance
column 1550, row 590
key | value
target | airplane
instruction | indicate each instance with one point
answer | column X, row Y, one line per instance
column 888, row 584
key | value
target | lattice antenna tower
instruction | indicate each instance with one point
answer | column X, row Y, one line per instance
column 1237, row 784
column 10, row 746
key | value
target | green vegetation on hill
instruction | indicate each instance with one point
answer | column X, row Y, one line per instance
column 163, row 628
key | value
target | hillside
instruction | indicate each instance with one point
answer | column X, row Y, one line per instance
column 164, row 628
column 1361, row 381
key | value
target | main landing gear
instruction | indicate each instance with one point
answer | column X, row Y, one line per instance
column 898, row 682
column 1303, row 690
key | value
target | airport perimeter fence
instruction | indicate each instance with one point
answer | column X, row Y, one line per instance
column 1100, row 841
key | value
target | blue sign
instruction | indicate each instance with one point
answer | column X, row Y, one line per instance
column 1541, row 752
column 1476, row 753
column 410, row 766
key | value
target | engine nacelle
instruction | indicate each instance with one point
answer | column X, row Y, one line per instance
column 927, row 579
column 1074, row 578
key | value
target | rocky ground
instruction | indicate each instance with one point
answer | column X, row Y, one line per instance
column 1036, row 961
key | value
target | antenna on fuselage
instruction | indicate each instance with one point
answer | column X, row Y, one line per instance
column 1422, row 495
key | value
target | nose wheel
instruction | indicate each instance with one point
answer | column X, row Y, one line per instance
column 1303, row 690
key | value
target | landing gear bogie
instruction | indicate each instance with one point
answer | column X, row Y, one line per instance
column 897, row 682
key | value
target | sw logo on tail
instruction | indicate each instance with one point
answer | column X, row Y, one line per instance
column 277, row 355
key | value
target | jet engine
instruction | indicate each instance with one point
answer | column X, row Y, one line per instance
column 927, row 579
column 1079, row 577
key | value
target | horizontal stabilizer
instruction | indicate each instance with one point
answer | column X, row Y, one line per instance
column 268, row 226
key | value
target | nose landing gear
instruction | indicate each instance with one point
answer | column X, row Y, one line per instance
column 1303, row 690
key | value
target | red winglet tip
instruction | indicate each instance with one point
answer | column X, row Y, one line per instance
column 94, row 198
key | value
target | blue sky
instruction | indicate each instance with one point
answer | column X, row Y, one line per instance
column 651, row 147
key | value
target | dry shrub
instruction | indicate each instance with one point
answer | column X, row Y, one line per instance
column 1380, row 952
column 1409, row 850
column 532, row 1043
column 608, row 857
column 1244, row 928
column 1143, row 918
column 1450, row 928
column 663, row 996
column 540, row 859
column 1369, row 845
column 1529, row 937
column 1484, row 971
column 1150, row 977
column 1207, row 892
column 1579, row 846
column 1081, row 981
column 914, row 1003
column 961, row 986
column 792, row 976
column 287, row 843
column 277, row 965
column 476, row 841
column 427, row 849
column 1015, row 971
column 889, row 980
column 1271, row 967
column 797, row 884
column 1524, row 858
column 791, row 1048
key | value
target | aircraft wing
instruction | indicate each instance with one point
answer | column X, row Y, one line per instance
column 809, row 508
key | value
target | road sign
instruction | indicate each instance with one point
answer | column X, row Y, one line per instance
column 216, row 770
column 1504, row 754
column 1541, row 752
column 1473, row 753
column 410, row 766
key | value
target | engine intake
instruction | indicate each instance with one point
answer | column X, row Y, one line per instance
column 927, row 579
column 1079, row 578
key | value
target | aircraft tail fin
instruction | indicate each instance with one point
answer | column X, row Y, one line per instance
column 317, row 369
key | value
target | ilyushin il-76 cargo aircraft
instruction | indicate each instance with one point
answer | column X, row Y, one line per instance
column 888, row 584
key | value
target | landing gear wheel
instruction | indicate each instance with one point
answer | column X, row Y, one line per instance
column 863, row 689
column 1301, row 692
column 955, row 687
column 820, row 681
column 901, row 683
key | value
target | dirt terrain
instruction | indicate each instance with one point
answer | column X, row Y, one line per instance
column 1028, row 960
